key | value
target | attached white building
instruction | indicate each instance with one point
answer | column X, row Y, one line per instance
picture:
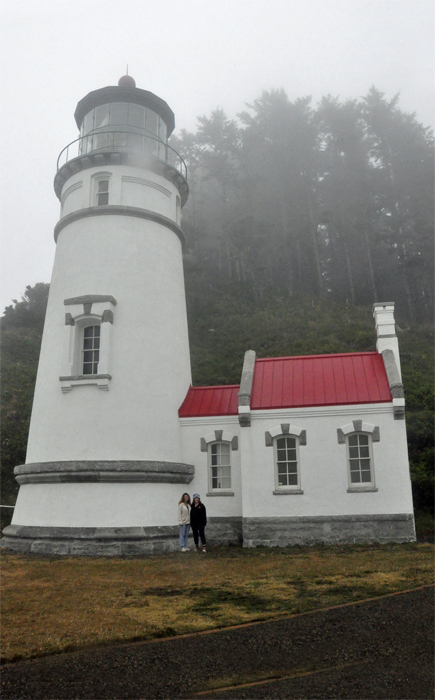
column 307, row 449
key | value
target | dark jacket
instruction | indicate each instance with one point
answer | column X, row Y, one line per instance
column 198, row 515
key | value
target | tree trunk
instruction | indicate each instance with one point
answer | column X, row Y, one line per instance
column 371, row 272
column 349, row 273
column 313, row 230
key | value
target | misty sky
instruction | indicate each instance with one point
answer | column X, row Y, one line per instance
column 197, row 55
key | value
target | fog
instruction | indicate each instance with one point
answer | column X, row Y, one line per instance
column 196, row 55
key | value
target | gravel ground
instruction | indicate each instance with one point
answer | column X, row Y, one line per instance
column 379, row 649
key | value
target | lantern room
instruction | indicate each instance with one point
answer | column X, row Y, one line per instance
column 123, row 124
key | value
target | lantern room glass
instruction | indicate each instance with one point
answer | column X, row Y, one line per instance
column 124, row 125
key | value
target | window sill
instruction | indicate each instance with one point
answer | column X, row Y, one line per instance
column 361, row 489
column 287, row 492
column 220, row 493
column 100, row 380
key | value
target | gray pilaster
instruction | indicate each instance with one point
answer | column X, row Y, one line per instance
column 246, row 387
column 396, row 385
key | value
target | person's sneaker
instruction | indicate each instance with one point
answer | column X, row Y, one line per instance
column 203, row 548
column 195, row 549
column 184, row 549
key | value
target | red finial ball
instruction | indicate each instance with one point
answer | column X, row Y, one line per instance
column 126, row 82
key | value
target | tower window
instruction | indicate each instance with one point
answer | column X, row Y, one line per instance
column 91, row 349
column 102, row 192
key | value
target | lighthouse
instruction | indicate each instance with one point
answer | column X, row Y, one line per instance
column 305, row 449
column 104, row 463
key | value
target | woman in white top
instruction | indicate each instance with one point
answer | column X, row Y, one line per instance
column 184, row 520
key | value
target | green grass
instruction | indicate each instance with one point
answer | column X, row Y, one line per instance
column 56, row 605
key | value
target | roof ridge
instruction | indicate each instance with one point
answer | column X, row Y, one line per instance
column 305, row 357
column 217, row 386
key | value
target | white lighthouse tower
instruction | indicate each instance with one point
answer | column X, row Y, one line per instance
column 104, row 464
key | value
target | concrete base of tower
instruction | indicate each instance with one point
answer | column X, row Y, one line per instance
column 112, row 542
column 91, row 541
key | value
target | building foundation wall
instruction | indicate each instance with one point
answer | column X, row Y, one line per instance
column 347, row 529
column 250, row 532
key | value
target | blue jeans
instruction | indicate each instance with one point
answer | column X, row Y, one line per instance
column 184, row 533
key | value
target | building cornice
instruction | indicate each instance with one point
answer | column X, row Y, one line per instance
column 118, row 210
column 112, row 471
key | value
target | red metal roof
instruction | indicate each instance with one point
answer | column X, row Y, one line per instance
column 295, row 382
column 210, row 401
column 319, row 380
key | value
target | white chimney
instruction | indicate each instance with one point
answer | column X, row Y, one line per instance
column 387, row 345
column 383, row 313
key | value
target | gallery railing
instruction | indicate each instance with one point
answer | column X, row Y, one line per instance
column 110, row 140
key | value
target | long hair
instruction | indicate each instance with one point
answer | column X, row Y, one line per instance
column 182, row 499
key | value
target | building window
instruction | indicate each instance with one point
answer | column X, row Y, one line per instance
column 102, row 192
column 178, row 209
column 220, row 466
column 91, row 349
column 287, row 462
column 360, row 460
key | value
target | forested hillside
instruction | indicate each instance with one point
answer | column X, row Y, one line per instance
column 298, row 219
column 333, row 202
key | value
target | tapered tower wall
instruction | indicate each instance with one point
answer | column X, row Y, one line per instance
column 137, row 262
column 104, row 468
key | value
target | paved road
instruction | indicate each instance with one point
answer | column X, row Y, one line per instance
column 379, row 649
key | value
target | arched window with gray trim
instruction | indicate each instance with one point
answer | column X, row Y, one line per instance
column 359, row 437
column 286, row 439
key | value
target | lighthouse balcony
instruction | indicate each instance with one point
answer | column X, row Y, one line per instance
column 137, row 148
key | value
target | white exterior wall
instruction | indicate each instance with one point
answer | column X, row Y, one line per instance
column 129, row 186
column 99, row 505
column 192, row 430
column 139, row 263
column 323, row 464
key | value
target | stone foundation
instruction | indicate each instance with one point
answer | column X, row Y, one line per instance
column 224, row 531
column 331, row 529
column 112, row 542
column 91, row 541
column 251, row 532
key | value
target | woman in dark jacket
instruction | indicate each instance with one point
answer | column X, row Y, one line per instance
column 198, row 520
